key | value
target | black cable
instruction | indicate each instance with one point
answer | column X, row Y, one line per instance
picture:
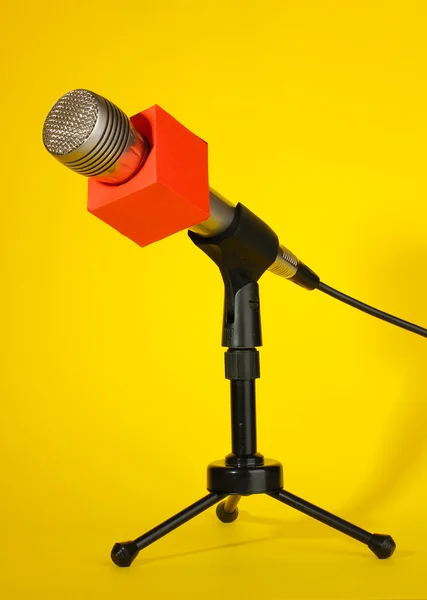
column 370, row 310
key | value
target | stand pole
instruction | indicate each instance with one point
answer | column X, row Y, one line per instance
column 243, row 418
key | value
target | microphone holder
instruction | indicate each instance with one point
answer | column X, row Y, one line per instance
column 243, row 253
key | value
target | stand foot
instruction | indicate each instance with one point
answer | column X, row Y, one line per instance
column 124, row 553
column 381, row 545
column 227, row 511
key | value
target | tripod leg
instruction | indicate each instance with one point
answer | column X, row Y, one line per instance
column 124, row 553
column 381, row 545
column 227, row 511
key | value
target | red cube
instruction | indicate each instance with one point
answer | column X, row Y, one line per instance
column 168, row 194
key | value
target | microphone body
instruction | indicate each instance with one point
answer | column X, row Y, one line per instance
column 148, row 175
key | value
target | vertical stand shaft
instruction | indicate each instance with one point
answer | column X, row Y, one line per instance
column 242, row 368
column 243, row 418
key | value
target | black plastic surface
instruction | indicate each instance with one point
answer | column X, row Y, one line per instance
column 247, row 480
column 243, row 253
column 243, row 419
column 305, row 277
column 383, row 546
column 242, row 364
column 124, row 553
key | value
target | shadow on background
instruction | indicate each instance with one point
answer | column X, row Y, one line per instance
column 402, row 450
column 405, row 438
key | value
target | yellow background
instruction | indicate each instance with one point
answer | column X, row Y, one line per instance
column 111, row 365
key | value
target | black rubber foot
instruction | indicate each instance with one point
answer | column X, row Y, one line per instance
column 226, row 517
column 124, row 553
column 381, row 545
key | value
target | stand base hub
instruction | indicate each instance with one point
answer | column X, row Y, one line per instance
column 258, row 479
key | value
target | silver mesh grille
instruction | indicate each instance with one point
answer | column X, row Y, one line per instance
column 70, row 122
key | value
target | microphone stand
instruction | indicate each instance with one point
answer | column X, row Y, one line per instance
column 243, row 253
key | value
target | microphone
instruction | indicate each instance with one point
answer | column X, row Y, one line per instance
column 93, row 137
column 148, row 179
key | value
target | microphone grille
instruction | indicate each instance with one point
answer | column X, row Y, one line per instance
column 70, row 122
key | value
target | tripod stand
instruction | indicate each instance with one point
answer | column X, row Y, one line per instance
column 243, row 253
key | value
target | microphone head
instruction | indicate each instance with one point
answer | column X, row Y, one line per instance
column 93, row 137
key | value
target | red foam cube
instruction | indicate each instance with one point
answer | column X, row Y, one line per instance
column 168, row 194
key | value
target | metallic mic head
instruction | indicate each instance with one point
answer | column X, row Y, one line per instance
column 91, row 136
